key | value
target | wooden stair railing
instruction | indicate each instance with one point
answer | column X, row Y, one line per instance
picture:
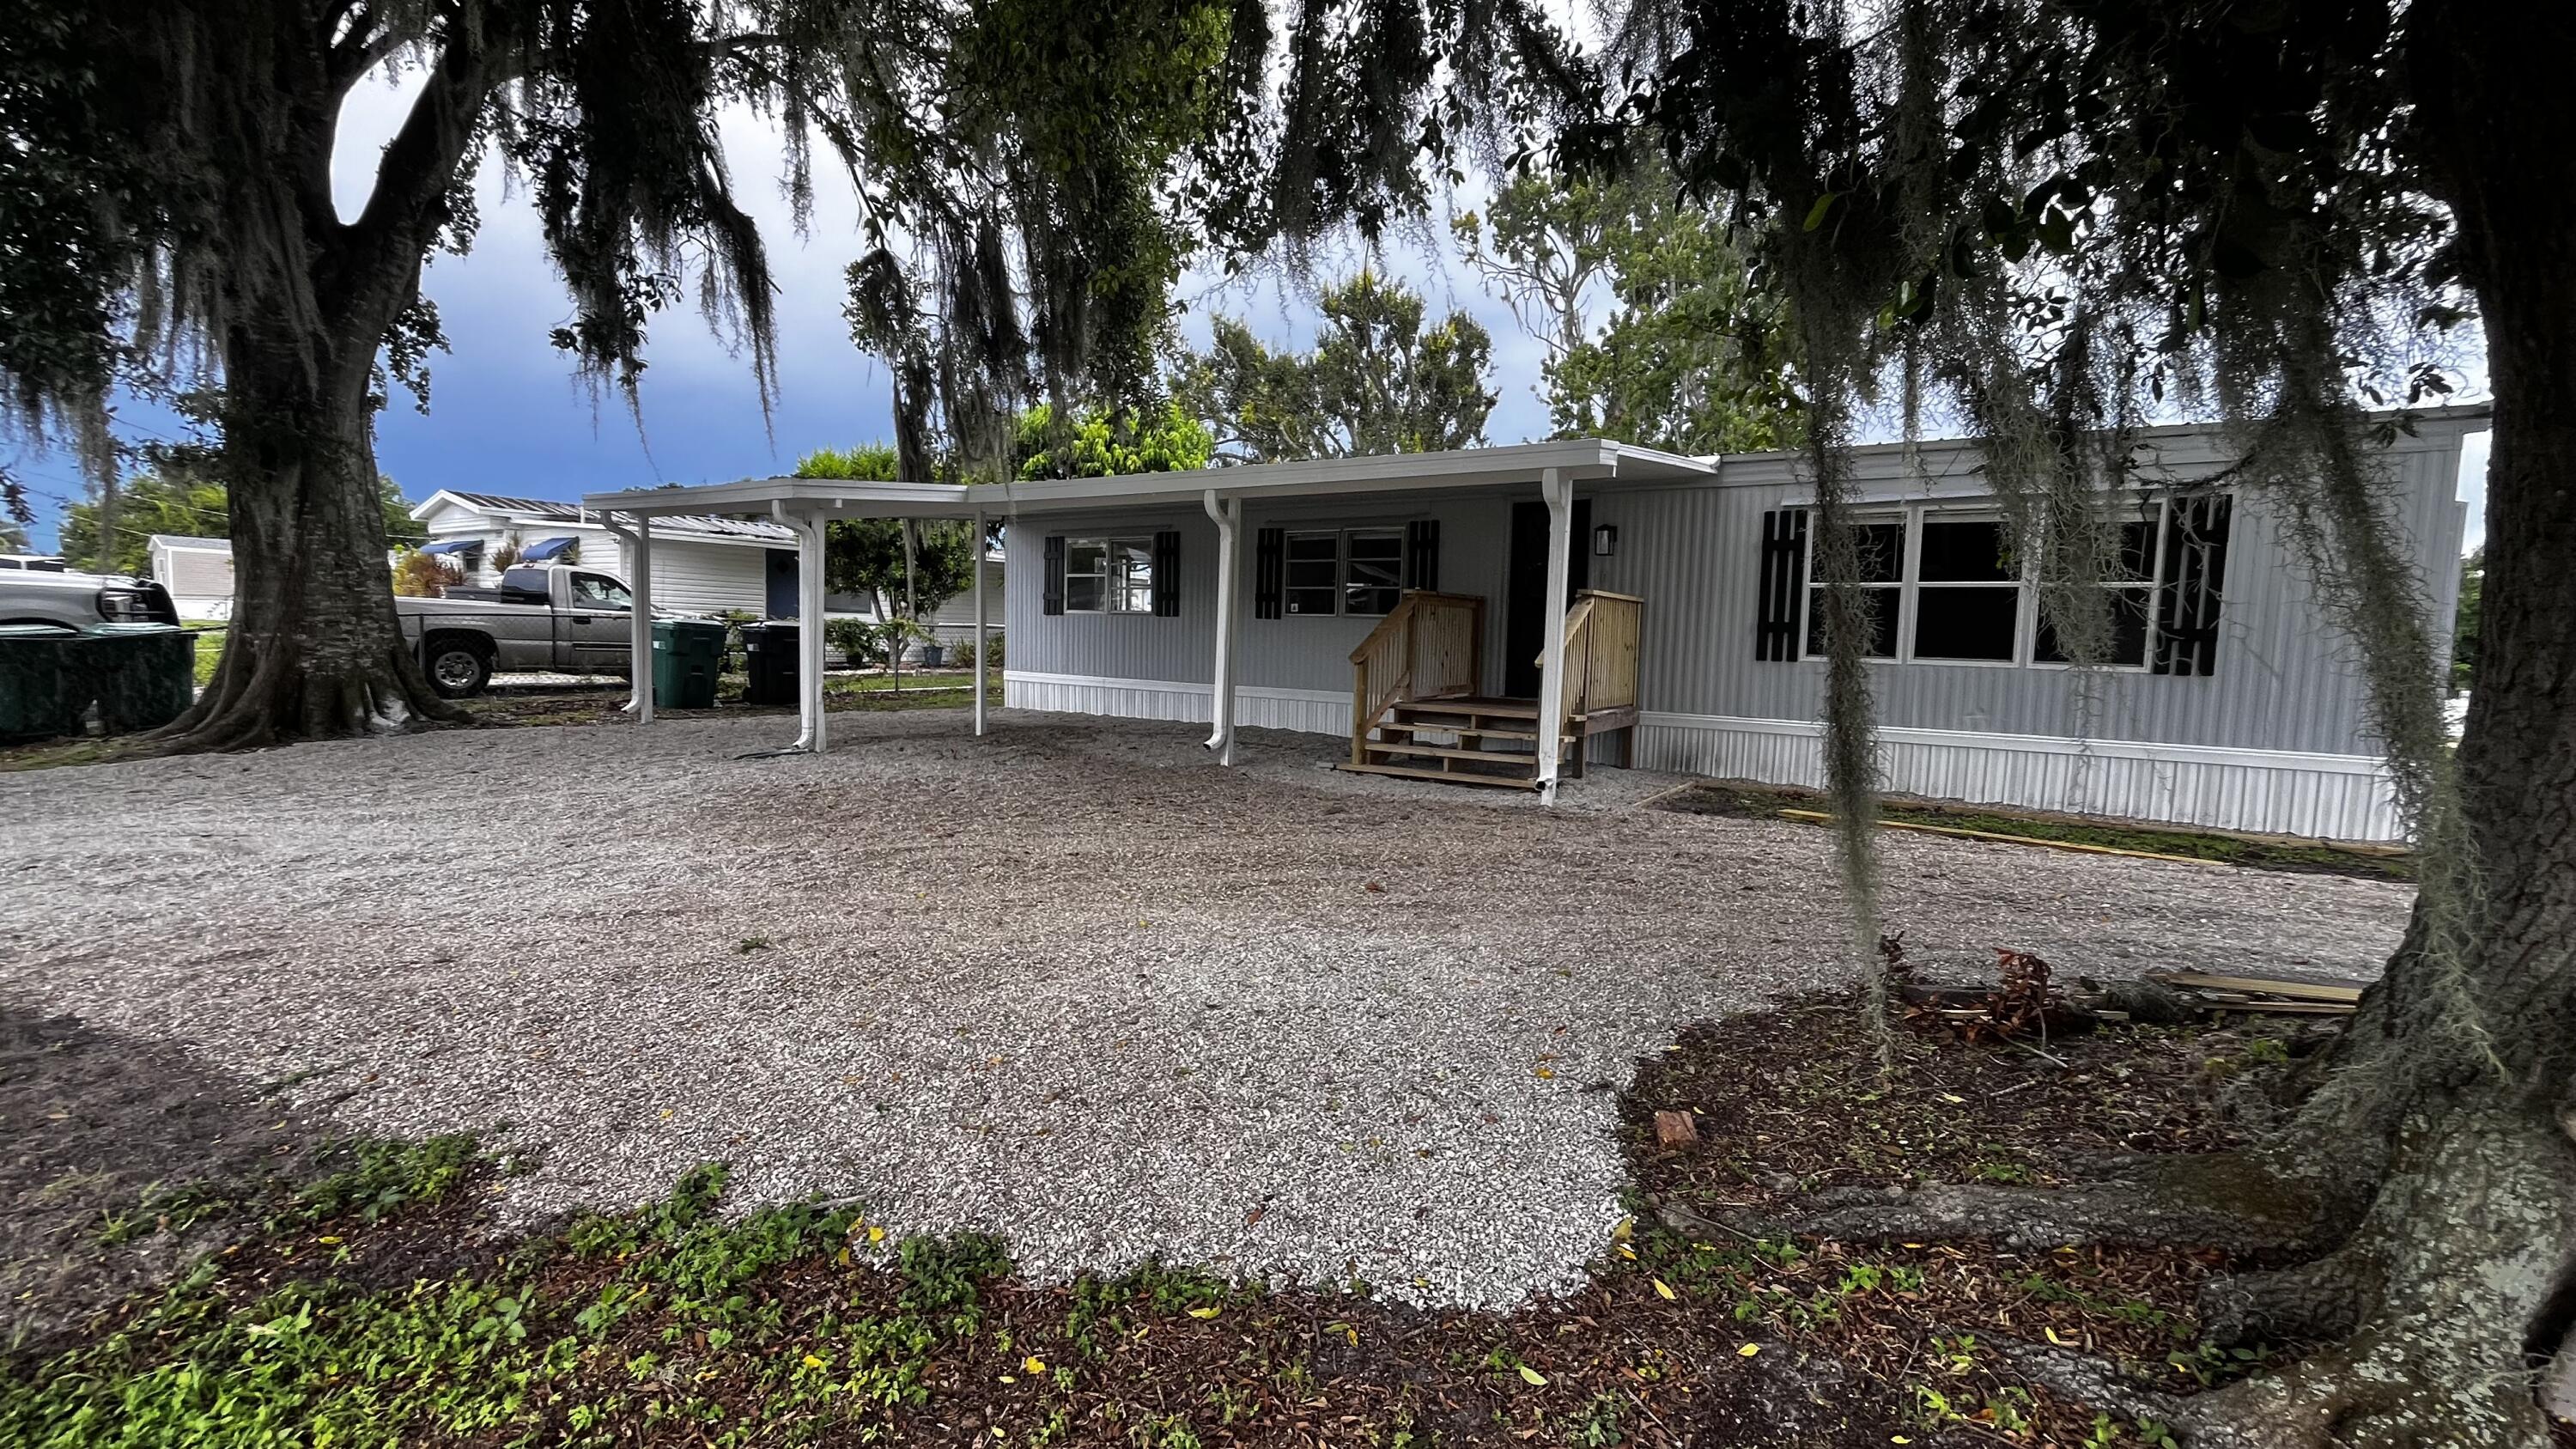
column 1601, row 633
column 1428, row 648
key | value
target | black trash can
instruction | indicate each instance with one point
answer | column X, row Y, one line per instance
column 769, row 654
column 142, row 676
column 35, row 692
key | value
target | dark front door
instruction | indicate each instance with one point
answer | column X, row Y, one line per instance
column 1523, row 635
column 782, row 583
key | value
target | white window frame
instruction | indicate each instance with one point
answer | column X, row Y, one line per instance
column 1910, row 584
column 1341, row 568
column 1808, row 587
column 2024, row 606
column 1113, row 589
column 2153, row 583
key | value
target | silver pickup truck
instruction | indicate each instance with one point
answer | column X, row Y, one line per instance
column 43, row 591
column 553, row 617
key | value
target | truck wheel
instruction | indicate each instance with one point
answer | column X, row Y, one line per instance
column 459, row 665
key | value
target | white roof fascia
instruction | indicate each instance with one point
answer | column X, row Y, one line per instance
column 1512, row 465
column 759, row 495
column 1518, row 464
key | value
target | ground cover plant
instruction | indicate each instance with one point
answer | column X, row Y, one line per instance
column 366, row 1297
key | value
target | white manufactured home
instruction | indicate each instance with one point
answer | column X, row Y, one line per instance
column 1507, row 615
column 198, row 572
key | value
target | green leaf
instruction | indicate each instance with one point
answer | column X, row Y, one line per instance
column 1816, row 213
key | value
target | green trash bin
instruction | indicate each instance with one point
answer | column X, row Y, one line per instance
column 34, row 700
column 142, row 676
column 769, row 658
column 686, row 656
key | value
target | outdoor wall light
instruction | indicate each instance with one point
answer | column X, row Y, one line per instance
column 1605, row 540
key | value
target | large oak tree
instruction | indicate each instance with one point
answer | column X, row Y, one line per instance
column 1032, row 174
column 2063, row 218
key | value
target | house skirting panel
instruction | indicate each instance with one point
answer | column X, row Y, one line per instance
column 2284, row 792
column 2339, row 797
column 1255, row 706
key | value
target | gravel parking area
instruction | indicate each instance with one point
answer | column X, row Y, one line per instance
column 1070, row 983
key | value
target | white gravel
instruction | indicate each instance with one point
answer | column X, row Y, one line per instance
column 1071, row 983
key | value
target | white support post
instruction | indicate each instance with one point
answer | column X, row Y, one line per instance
column 809, row 632
column 1228, row 513
column 983, row 634
column 639, row 583
column 1558, row 490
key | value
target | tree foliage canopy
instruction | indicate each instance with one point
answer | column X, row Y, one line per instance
column 1690, row 357
column 1377, row 381
column 176, row 499
column 1105, row 444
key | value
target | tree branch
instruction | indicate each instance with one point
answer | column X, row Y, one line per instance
column 420, row 163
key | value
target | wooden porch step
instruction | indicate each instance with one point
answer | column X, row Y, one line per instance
column 1454, row 777
column 1452, row 727
column 1473, row 704
column 1452, row 752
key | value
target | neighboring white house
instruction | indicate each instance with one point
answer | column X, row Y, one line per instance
column 198, row 572
column 952, row 623
column 701, row 564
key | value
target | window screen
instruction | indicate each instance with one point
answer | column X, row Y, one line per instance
column 1967, row 604
column 1314, row 572
column 1373, row 575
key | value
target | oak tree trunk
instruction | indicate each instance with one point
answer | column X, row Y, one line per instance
column 2452, row 1294
column 314, row 649
column 305, row 303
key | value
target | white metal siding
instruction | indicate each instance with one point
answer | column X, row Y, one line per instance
column 198, row 572
column 2284, row 679
column 1300, row 653
column 708, row 578
column 2275, row 740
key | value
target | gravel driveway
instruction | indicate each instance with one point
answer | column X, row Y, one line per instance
column 1069, row 983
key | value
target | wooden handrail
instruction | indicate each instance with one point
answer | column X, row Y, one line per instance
column 1601, row 634
column 1425, row 648
column 1403, row 615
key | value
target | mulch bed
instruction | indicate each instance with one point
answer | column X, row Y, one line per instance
column 1739, row 1341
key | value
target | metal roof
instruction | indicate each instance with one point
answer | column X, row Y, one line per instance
column 557, row 511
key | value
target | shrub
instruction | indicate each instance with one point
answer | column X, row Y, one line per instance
column 962, row 653
column 421, row 575
column 855, row 638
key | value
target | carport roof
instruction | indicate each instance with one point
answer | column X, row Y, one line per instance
column 1520, row 463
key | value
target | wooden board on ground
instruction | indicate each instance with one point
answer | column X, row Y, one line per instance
column 2264, row 985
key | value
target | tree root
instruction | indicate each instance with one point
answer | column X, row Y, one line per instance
column 2224, row 1201
column 262, row 697
column 2449, row 1303
column 2323, row 1299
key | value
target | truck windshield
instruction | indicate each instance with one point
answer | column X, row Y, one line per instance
column 598, row 591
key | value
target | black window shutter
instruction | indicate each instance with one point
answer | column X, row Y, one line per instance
column 1167, row 574
column 2195, row 575
column 1054, row 603
column 1422, row 555
column 1784, row 548
column 1269, row 571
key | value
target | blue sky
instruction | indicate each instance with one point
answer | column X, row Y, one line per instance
column 507, row 416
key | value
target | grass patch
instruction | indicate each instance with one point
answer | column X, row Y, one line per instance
column 1762, row 802
column 210, row 648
